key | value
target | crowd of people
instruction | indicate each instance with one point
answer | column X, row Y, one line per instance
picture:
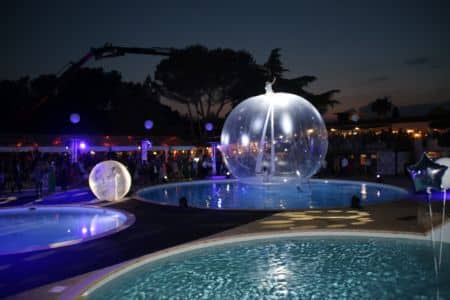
column 45, row 171
column 351, row 154
column 19, row 171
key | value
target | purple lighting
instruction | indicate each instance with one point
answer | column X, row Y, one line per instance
column 209, row 126
column 82, row 145
column 148, row 124
column 84, row 230
column 75, row 118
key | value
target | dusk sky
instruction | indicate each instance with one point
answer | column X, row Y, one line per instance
column 368, row 49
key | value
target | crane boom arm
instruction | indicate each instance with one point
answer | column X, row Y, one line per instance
column 108, row 51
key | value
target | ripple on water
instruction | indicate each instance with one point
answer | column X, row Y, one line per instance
column 295, row 268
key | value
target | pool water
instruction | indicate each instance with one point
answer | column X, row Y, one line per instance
column 231, row 194
column 290, row 268
column 42, row 227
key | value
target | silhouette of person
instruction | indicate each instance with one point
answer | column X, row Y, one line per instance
column 268, row 86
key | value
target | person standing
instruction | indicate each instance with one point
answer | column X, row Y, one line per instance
column 52, row 178
column 368, row 166
column 2, row 178
column 38, row 177
column 17, row 177
column 344, row 165
column 64, row 174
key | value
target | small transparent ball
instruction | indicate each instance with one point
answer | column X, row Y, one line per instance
column 286, row 122
column 110, row 180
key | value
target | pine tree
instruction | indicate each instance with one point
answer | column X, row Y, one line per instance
column 274, row 64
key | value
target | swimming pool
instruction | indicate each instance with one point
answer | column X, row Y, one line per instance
column 232, row 194
column 286, row 267
column 42, row 227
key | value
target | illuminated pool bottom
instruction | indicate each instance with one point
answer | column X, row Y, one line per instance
column 42, row 227
column 321, row 267
column 232, row 194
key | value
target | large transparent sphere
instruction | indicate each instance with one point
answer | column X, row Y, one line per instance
column 274, row 136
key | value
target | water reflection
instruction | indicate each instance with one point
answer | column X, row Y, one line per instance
column 22, row 229
column 237, row 195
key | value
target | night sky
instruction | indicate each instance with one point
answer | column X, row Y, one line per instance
column 368, row 49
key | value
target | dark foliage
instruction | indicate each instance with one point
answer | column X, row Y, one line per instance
column 106, row 104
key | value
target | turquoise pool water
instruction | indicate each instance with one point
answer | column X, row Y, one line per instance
column 232, row 194
column 41, row 227
column 290, row 268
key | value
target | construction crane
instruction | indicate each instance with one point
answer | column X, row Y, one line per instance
column 107, row 51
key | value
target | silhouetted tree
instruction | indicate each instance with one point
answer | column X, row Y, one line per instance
column 395, row 112
column 274, row 64
column 381, row 106
column 297, row 85
column 440, row 119
column 439, row 112
column 206, row 81
column 107, row 105
column 343, row 117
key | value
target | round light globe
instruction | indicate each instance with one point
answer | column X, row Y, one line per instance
column 209, row 126
column 355, row 117
column 74, row 118
column 110, row 180
column 445, row 161
column 279, row 134
column 148, row 124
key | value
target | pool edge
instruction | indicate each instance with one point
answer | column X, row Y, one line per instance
column 136, row 195
column 103, row 276
column 130, row 220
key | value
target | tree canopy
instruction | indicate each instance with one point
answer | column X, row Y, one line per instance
column 381, row 106
column 297, row 85
column 207, row 82
column 106, row 104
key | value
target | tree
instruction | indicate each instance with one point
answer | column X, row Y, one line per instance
column 395, row 112
column 297, row 85
column 106, row 103
column 381, row 106
column 274, row 64
column 343, row 117
column 210, row 82
column 206, row 81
